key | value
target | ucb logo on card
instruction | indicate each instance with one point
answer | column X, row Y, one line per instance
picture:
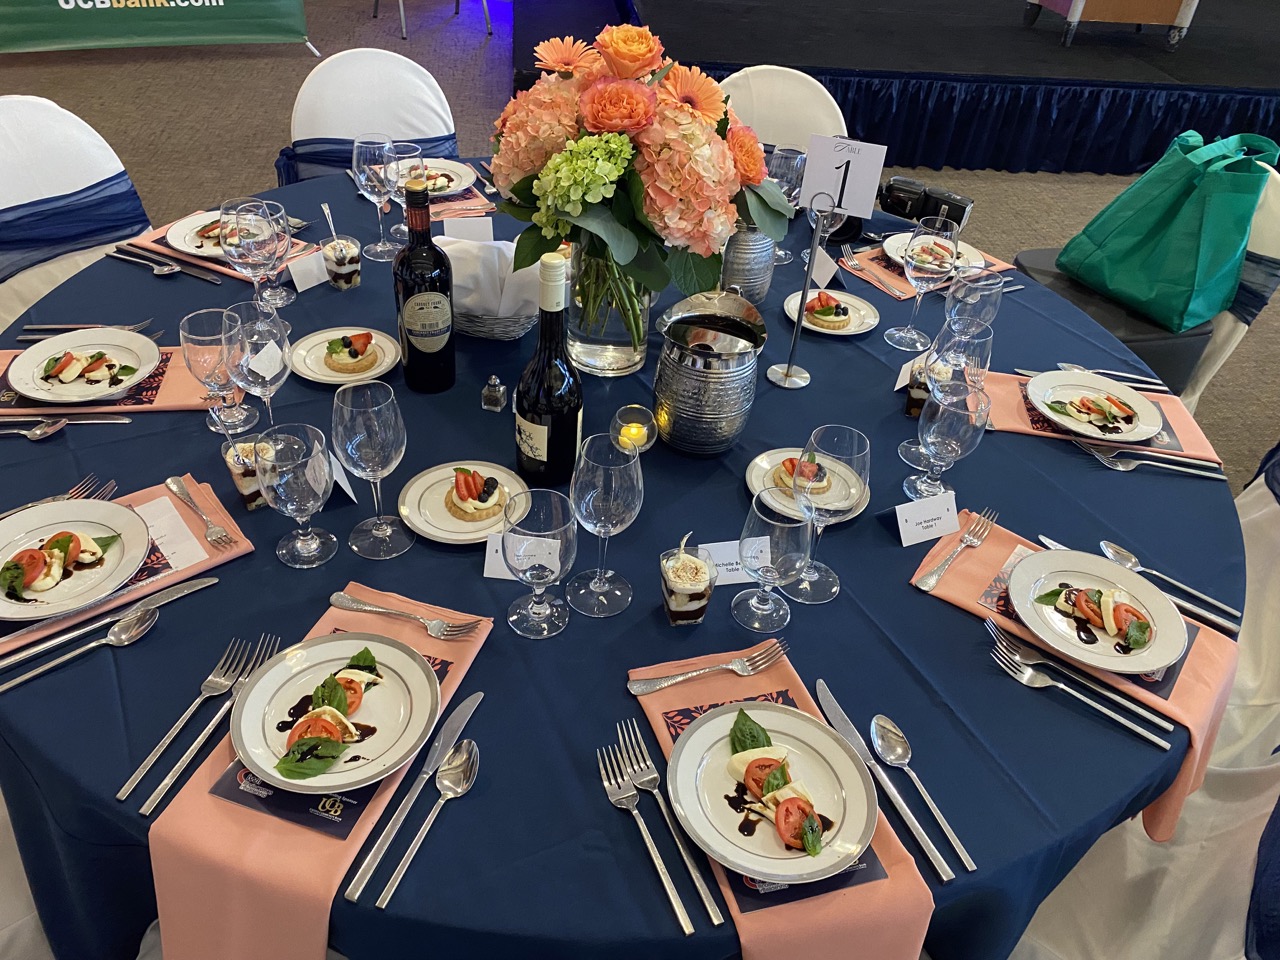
column 334, row 814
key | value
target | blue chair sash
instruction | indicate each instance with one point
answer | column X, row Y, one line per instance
column 1259, row 278
column 321, row 156
column 1262, row 929
column 1269, row 470
column 40, row 230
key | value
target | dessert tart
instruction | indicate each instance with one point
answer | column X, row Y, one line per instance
column 474, row 497
column 808, row 471
column 826, row 312
column 351, row 354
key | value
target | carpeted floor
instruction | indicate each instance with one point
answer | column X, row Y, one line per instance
column 195, row 124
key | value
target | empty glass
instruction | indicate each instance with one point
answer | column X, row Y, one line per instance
column 951, row 427
column 961, row 351
column 296, row 478
column 607, row 490
column 773, row 548
column 403, row 164
column 539, row 545
column 205, row 355
column 370, row 153
column 834, row 222
column 257, row 349
column 928, row 260
column 369, row 440
column 255, row 239
column 786, row 165
column 974, row 295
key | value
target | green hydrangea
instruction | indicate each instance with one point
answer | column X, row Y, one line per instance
column 585, row 171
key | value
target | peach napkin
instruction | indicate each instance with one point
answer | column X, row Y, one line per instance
column 1197, row 701
column 886, row 919
column 875, row 267
column 258, row 869
column 1011, row 411
column 169, row 387
column 152, row 241
column 155, row 574
column 469, row 203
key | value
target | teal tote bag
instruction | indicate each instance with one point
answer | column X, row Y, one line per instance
column 1171, row 246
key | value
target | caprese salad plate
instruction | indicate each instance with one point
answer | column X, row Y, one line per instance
column 967, row 255
column 83, row 366
column 59, row 557
column 770, row 469
column 307, row 357
column 770, row 792
column 335, row 712
column 1095, row 407
column 197, row 235
column 849, row 316
column 433, row 504
column 1096, row 612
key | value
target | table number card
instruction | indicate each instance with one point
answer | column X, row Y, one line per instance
column 846, row 170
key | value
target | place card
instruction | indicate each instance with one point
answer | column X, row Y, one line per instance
column 847, row 171
column 334, row 814
column 469, row 228
column 824, row 268
column 904, row 375
column 309, row 271
column 341, row 478
column 170, row 533
column 268, row 362
column 728, row 563
column 927, row 519
column 531, row 550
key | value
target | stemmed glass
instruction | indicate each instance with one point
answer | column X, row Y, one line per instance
column 369, row 440
column 975, row 295
column 255, row 239
column 295, row 477
column 539, row 543
column 403, row 164
column 951, row 427
column 786, row 165
column 928, row 260
column 841, row 491
column 834, row 222
column 370, row 155
column 205, row 355
column 773, row 549
column 961, row 352
column 257, row 350
column 607, row 491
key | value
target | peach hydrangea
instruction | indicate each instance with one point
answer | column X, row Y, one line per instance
column 535, row 124
column 617, row 106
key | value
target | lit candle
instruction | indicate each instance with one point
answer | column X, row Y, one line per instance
column 636, row 433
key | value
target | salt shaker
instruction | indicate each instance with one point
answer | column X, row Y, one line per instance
column 493, row 396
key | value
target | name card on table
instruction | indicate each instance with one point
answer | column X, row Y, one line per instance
column 846, row 170
column 824, row 268
column 469, row 228
column 341, row 478
column 268, row 362
column 927, row 519
column 309, row 271
column 334, row 814
column 728, row 562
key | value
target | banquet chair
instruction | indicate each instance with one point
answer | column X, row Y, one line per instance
column 21, row 935
column 336, row 104
column 783, row 106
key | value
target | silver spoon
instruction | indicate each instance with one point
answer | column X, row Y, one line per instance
column 453, row 779
column 339, row 251
column 1156, row 385
column 892, row 747
column 45, row 428
column 1126, row 559
column 123, row 633
column 159, row 269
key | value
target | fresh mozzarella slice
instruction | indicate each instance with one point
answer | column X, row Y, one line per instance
column 1077, row 412
column 90, row 552
column 1109, row 612
column 79, row 362
column 349, row 734
column 360, row 676
column 52, row 575
column 1062, row 604
column 103, row 372
column 762, row 810
column 793, row 789
column 739, row 761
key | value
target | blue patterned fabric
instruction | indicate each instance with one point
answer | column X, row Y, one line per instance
column 322, row 156
column 40, row 230
column 1262, row 930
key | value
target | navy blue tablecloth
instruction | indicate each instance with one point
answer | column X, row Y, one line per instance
column 534, row 862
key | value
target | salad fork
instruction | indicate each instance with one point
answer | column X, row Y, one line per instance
column 214, row 533
column 440, row 629
column 742, row 666
column 106, row 493
column 80, row 491
column 132, row 328
column 977, row 532
column 622, row 794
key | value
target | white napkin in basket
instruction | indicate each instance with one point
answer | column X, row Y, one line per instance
column 483, row 284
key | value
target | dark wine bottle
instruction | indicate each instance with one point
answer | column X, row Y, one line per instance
column 424, row 300
column 548, row 399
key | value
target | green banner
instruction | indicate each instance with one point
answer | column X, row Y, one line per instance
column 28, row 25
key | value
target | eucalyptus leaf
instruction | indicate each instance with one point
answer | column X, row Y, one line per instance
column 648, row 268
column 771, row 193
column 771, row 223
column 517, row 210
column 692, row 273
column 596, row 218
column 657, row 77
column 531, row 245
column 522, row 191
column 635, row 190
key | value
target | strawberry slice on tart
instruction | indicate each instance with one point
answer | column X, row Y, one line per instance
column 473, row 497
column 351, row 353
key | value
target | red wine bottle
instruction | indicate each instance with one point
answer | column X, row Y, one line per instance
column 424, row 300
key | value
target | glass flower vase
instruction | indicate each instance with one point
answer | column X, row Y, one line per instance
column 607, row 316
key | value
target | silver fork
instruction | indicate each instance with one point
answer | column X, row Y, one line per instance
column 489, row 188
column 742, row 666
column 1124, row 466
column 213, row 532
column 622, row 794
column 440, row 629
column 266, row 648
column 979, row 527
column 846, row 251
column 645, row 776
column 80, row 491
column 1110, row 453
column 106, row 493
column 132, row 328
column 1038, row 679
column 217, row 683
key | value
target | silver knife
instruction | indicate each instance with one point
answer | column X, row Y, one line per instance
column 842, row 725
column 1141, row 386
column 158, row 599
column 1186, row 606
column 182, row 265
column 442, row 744
column 1143, row 452
column 71, row 418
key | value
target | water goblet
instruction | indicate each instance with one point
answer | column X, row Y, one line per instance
column 205, row 355
column 960, row 352
column 928, row 260
column 370, row 154
column 773, row 549
column 539, row 544
column 951, row 427
column 257, row 350
column 369, row 440
column 974, row 295
column 607, row 490
column 403, row 164
column 254, row 236
column 296, row 478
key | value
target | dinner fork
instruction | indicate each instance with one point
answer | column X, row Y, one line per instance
column 847, row 252
column 1125, row 465
column 106, row 493
column 266, row 648
column 1038, row 679
column 489, row 188
column 645, row 776
column 214, row 533
column 978, row 529
column 1111, row 453
column 132, row 328
column 742, row 666
column 1028, row 657
column 219, row 681
column 440, row 629
column 622, row 794
column 80, row 491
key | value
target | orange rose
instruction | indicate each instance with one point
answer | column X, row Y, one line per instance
column 630, row 52
column 617, row 106
column 748, row 155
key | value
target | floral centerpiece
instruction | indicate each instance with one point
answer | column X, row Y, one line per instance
column 638, row 161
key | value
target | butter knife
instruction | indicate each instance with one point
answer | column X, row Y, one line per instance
column 188, row 269
column 842, row 725
column 72, row 418
column 1142, row 386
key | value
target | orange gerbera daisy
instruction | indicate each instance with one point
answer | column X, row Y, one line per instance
column 692, row 87
column 565, row 56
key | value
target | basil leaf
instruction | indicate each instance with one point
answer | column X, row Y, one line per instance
column 105, row 542
column 776, row 780
column 746, row 734
column 11, row 577
column 96, row 356
column 364, row 660
column 811, row 835
column 1050, row 598
column 1057, row 406
column 50, row 364
column 124, row 370
column 1138, row 635
column 1095, row 596
column 330, row 694
column 309, row 757
column 334, row 346
column 62, row 545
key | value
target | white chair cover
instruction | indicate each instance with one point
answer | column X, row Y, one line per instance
column 46, row 151
column 21, row 936
column 783, row 106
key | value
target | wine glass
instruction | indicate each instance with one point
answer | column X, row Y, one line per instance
column 403, row 164
column 834, row 222
column 539, row 544
column 974, row 295
column 205, row 355
column 786, row 165
column 369, row 439
column 773, row 549
column 960, row 352
column 370, row 154
column 607, row 491
column 255, row 238
column 257, row 350
column 951, row 427
column 838, row 491
column 928, row 259
column 296, row 478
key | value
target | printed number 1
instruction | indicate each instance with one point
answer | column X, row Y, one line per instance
column 844, row 181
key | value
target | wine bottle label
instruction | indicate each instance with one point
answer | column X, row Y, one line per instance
column 531, row 438
column 427, row 319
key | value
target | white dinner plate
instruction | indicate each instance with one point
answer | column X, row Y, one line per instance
column 306, row 359
column 182, row 236
column 128, row 348
column 463, row 175
column 422, row 503
column 403, row 708
column 700, row 786
column 1047, row 570
column 862, row 315
column 969, row 255
column 30, row 528
column 845, row 484
column 1064, row 385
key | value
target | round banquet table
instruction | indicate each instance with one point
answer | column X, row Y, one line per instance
column 534, row 861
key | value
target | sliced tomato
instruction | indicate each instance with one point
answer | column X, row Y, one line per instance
column 789, row 465
column 1124, row 408
column 1126, row 614
column 1091, row 406
column 757, row 772
column 73, row 551
column 95, row 364
column 313, row 727
column 355, row 693
column 461, row 484
column 360, row 342
column 67, row 359
column 789, row 820
column 1088, row 609
column 33, row 563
